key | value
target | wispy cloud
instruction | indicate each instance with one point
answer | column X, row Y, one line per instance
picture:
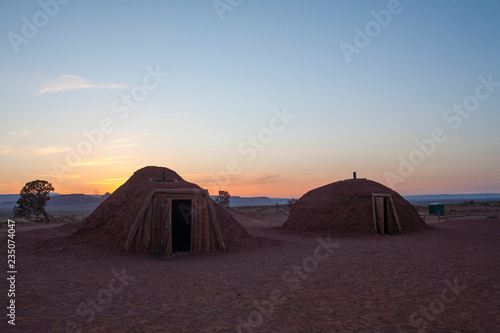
column 19, row 133
column 185, row 104
column 109, row 181
column 104, row 161
column 264, row 179
column 120, row 143
column 52, row 150
column 15, row 149
column 66, row 82
column 10, row 184
column 31, row 150
column 123, row 145
column 240, row 179
column 50, row 176
column 68, row 176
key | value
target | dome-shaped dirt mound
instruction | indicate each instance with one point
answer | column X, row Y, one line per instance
column 348, row 207
column 111, row 222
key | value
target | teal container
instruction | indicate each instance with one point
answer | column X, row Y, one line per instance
column 436, row 209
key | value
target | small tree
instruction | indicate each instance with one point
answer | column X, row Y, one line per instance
column 223, row 198
column 291, row 202
column 33, row 199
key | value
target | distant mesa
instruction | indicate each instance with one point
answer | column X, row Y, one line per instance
column 354, row 206
column 162, row 217
column 105, row 196
column 73, row 199
column 237, row 201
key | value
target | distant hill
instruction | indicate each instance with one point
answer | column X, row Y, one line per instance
column 74, row 204
column 8, row 198
column 59, row 204
column 13, row 197
column 84, row 204
column 237, row 201
column 452, row 198
column 73, row 199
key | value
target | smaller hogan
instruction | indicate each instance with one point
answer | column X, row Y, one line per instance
column 354, row 206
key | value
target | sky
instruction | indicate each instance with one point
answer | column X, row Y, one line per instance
column 269, row 97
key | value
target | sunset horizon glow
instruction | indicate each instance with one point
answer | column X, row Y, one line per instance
column 266, row 99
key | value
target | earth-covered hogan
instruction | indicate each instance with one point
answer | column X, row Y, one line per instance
column 158, row 211
column 354, row 206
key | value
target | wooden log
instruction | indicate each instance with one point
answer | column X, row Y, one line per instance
column 191, row 228
column 153, row 227
column 213, row 219
column 165, row 226
column 180, row 191
column 169, row 223
column 204, row 216
column 159, row 231
column 146, row 238
column 395, row 213
column 194, row 224
column 159, row 225
column 135, row 225
column 199, row 226
column 142, row 230
column 374, row 214
column 213, row 238
column 379, row 203
column 138, row 236
column 191, row 222
column 206, row 232
column 155, row 240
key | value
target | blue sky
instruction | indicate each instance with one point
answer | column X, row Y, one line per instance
column 225, row 78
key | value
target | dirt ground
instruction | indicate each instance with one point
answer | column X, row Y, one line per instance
column 443, row 280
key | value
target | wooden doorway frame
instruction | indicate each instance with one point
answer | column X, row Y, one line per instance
column 205, row 230
column 381, row 214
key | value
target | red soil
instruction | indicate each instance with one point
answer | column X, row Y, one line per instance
column 370, row 283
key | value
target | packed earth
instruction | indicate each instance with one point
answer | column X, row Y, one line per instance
column 445, row 279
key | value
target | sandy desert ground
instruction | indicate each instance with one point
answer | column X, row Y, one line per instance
column 443, row 280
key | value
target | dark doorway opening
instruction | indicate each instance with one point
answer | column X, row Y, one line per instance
column 181, row 225
column 388, row 221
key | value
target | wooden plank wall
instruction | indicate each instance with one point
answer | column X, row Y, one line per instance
column 197, row 225
column 166, row 225
column 149, row 227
